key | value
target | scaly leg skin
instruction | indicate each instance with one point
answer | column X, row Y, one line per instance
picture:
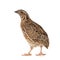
column 40, row 54
column 28, row 54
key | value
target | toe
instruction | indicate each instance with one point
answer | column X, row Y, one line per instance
column 40, row 54
column 26, row 55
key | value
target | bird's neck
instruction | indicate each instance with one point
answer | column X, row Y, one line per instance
column 24, row 18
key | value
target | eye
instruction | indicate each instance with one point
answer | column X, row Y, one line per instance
column 21, row 12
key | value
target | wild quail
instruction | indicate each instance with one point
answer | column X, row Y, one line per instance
column 34, row 33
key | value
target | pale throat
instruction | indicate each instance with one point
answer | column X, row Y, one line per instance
column 23, row 17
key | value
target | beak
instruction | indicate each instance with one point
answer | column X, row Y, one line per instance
column 16, row 11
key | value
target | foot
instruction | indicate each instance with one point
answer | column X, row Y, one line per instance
column 26, row 55
column 40, row 54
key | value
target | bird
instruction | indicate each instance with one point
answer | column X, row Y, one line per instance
column 34, row 34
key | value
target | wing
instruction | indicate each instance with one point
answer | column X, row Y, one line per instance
column 34, row 30
column 36, row 33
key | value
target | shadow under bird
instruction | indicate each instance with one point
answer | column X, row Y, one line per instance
column 33, row 32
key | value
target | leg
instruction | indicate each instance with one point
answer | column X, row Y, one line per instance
column 40, row 54
column 28, row 54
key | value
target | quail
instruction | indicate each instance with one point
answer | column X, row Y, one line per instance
column 35, row 35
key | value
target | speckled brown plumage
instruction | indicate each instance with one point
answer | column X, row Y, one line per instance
column 34, row 33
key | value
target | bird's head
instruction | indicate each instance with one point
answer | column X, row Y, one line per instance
column 23, row 14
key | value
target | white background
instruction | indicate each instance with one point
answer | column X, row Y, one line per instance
column 13, row 44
